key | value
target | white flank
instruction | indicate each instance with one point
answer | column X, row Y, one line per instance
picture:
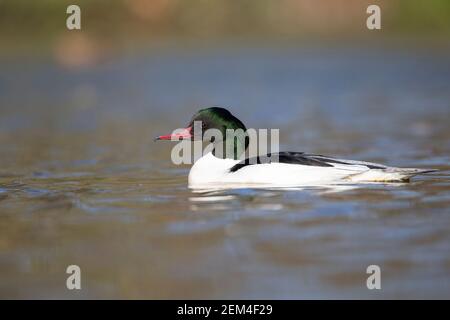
column 210, row 171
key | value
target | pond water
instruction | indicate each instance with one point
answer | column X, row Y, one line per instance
column 82, row 182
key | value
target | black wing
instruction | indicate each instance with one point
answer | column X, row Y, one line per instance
column 300, row 158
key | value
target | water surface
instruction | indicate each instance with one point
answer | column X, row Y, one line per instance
column 82, row 182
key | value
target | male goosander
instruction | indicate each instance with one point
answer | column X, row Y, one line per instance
column 283, row 169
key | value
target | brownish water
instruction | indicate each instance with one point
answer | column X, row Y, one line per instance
column 82, row 182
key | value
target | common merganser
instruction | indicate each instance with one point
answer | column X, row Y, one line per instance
column 282, row 169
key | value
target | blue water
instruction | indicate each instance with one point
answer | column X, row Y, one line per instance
column 82, row 182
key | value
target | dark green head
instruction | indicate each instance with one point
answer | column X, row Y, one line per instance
column 218, row 126
column 217, row 118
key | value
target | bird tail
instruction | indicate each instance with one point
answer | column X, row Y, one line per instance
column 389, row 174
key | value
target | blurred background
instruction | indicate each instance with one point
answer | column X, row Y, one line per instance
column 111, row 28
column 118, row 25
column 82, row 182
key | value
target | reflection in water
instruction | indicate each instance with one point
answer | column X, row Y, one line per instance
column 85, row 185
column 241, row 189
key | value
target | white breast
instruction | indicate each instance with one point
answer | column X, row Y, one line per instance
column 209, row 169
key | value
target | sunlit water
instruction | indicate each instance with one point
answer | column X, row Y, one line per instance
column 82, row 182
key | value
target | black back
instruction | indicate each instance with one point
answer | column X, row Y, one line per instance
column 295, row 158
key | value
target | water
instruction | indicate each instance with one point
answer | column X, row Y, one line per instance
column 82, row 182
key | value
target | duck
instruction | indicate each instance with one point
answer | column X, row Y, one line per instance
column 228, row 164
